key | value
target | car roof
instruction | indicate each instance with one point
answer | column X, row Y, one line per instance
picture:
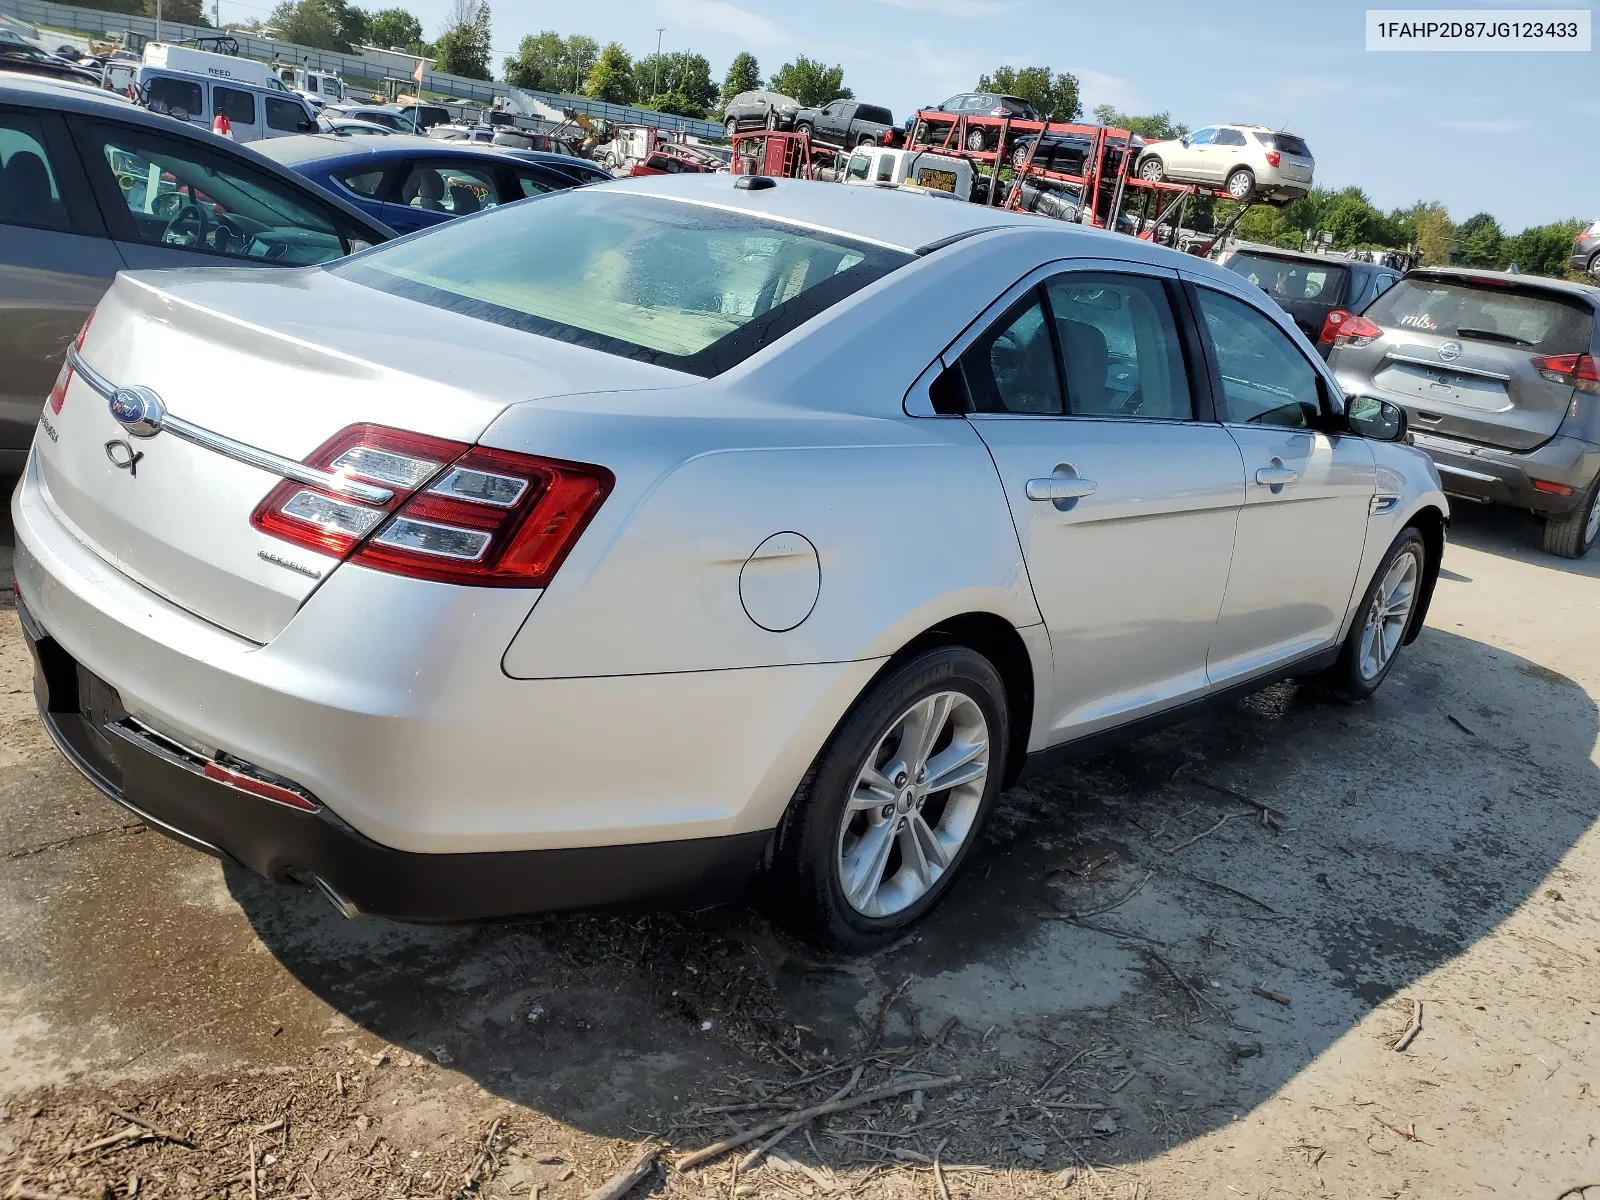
column 890, row 217
column 1586, row 291
column 1266, row 251
column 304, row 148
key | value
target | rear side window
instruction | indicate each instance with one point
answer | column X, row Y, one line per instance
column 284, row 115
column 1287, row 142
column 879, row 116
column 1504, row 314
column 459, row 189
column 239, row 107
column 29, row 194
column 1293, row 278
column 1265, row 378
column 179, row 98
column 1012, row 367
column 1229, row 137
column 364, row 183
column 693, row 288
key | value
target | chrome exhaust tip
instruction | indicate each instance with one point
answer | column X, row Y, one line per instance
column 345, row 908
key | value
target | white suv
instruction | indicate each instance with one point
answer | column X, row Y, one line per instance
column 1249, row 162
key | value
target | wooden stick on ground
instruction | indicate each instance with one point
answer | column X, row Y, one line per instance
column 620, row 1184
column 136, row 1119
column 130, row 1134
column 717, row 1149
column 1186, row 844
column 1414, row 1028
column 750, row 1160
column 1250, row 800
column 1115, row 904
column 255, row 1187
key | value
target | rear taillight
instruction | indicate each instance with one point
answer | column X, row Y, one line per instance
column 1581, row 371
column 1356, row 331
column 458, row 513
column 1273, row 158
column 1331, row 325
column 58, row 390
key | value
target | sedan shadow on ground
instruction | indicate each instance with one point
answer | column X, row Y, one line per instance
column 1124, row 911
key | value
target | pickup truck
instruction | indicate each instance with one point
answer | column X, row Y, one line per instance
column 847, row 123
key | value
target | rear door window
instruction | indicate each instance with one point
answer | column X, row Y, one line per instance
column 458, row 189
column 1487, row 311
column 364, row 183
column 181, row 98
column 1120, row 343
column 1228, row 137
column 30, row 193
column 1012, row 368
column 239, row 107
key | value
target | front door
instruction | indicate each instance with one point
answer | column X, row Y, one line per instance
column 1125, row 503
column 1308, row 495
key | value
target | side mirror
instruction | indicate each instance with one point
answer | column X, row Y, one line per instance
column 308, row 126
column 1184, row 141
column 1380, row 420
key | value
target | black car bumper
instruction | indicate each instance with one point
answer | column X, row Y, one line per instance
column 163, row 784
column 1506, row 477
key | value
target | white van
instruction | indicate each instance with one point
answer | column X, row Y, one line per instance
column 196, row 85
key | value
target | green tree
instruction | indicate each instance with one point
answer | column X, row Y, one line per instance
column 325, row 24
column 1055, row 96
column 190, row 12
column 547, row 62
column 611, row 77
column 810, row 82
column 744, row 75
column 463, row 49
column 1541, row 249
column 1157, row 127
column 1479, row 241
column 395, row 28
column 680, row 73
column 1435, row 236
column 675, row 103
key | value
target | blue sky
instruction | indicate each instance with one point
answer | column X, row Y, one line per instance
column 1511, row 133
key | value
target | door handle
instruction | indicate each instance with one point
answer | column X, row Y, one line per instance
column 1276, row 476
column 1064, row 488
column 1061, row 487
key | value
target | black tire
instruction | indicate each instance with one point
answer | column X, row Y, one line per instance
column 1019, row 157
column 731, row 126
column 1345, row 680
column 1570, row 536
column 1594, row 266
column 976, row 140
column 805, row 128
column 1153, row 170
column 1241, row 185
column 866, row 139
column 772, row 118
column 803, row 871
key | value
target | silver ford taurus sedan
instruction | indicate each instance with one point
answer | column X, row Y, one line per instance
column 630, row 542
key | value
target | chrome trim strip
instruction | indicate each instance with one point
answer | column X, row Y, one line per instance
column 1447, row 469
column 1439, row 365
column 265, row 460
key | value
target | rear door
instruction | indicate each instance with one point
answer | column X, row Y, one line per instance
column 1462, row 355
column 55, row 262
column 1307, row 494
column 242, row 110
column 1124, row 501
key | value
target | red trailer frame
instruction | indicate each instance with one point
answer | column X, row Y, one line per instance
column 780, row 154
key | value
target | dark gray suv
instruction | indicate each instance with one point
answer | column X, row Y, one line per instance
column 1586, row 251
column 1500, row 378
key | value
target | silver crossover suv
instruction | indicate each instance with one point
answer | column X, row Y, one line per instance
column 1498, row 374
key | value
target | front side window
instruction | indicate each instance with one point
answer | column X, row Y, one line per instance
column 179, row 98
column 860, row 166
column 686, row 286
column 1203, row 137
column 1265, row 378
column 1012, row 367
column 29, row 193
column 458, row 189
column 239, row 107
column 534, row 186
column 184, row 196
column 1119, row 342
column 284, row 115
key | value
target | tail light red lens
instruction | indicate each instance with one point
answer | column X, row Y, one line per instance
column 1274, row 158
column 1331, row 325
column 1580, row 371
column 58, row 390
column 459, row 514
column 1356, row 331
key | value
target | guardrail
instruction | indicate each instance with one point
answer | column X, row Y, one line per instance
column 389, row 64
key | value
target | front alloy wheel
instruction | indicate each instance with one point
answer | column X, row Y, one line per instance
column 1381, row 622
column 914, row 804
column 880, row 825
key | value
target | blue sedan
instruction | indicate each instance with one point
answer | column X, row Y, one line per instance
column 412, row 183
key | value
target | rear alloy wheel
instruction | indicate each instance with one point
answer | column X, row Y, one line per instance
column 731, row 125
column 892, row 806
column 1571, row 535
column 976, row 140
column 772, row 118
column 1241, row 184
column 866, row 139
column 1152, row 171
column 1594, row 267
column 1381, row 622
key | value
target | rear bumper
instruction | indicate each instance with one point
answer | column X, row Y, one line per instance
column 1506, row 477
column 163, row 784
column 1583, row 253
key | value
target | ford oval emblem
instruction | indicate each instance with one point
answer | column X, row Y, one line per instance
column 138, row 410
column 1450, row 351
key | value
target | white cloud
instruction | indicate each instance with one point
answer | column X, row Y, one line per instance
column 955, row 8
column 1485, row 126
column 717, row 17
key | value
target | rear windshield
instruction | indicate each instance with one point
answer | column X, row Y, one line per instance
column 686, row 286
column 1487, row 312
column 878, row 116
column 1287, row 142
column 1293, row 279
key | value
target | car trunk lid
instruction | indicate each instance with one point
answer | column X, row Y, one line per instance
column 1462, row 355
column 245, row 357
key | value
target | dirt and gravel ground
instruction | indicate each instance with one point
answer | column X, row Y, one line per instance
column 1145, row 987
